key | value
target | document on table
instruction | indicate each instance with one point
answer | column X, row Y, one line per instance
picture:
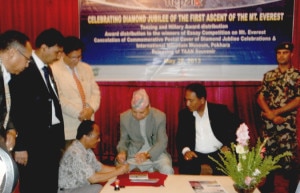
column 138, row 176
column 141, row 177
column 207, row 187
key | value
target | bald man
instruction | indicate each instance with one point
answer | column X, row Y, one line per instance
column 143, row 141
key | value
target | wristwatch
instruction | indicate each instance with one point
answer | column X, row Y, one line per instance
column 147, row 154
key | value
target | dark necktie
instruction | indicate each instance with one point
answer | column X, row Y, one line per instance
column 47, row 77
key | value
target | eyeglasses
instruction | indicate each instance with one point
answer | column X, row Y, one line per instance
column 28, row 59
column 74, row 57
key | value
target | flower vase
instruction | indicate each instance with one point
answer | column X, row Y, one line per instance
column 243, row 190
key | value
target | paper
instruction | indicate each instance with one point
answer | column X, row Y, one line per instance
column 207, row 187
column 138, row 176
column 152, row 180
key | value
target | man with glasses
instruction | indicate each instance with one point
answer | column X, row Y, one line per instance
column 79, row 170
column 37, row 116
column 78, row 91
column 15, row 53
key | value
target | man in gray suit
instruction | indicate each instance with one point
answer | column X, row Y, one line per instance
column 143, row 139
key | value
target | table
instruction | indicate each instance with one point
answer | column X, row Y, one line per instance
column 174, row 184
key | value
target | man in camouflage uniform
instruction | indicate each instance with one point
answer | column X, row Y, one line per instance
column 279, row 99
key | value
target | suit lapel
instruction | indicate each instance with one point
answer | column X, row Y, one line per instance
column 2, row 101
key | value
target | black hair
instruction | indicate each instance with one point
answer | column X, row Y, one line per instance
column 72, row 43
column 10, row 37
column 49, row 37
column 85, row 128
column 197, row 88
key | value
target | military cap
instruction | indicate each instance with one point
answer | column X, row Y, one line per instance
column 285, row 45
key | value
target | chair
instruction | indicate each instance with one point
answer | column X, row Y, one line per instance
column 10, row 177
column 298, row 188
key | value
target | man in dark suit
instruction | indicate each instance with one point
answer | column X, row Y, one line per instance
column 37, row 116
column 15, row 53
column 203, row 129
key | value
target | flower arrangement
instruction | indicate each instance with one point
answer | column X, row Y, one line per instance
column 247, row 166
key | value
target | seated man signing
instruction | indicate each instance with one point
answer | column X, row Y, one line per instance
column 203, row 129
column 143, row 139
column 79, row 169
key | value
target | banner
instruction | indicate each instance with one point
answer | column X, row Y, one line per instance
column 183, row 39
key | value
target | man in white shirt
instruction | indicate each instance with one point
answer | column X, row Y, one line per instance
column 203, row 129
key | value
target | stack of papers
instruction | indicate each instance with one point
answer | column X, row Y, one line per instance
column 141, row 177
column 138, row 176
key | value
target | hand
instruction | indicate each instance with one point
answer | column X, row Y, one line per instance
column 224, row 148
column 86, row 113
column 123, row 169
column 141, row 157
column 269, row 115
column 21, row 157
column 189, row 155
column 11, row 139
column 279, row 120
column 121, row 158
column 206, row 169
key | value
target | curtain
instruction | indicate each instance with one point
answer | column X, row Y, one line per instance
column 296, row 34
column 169, row 97
column 33, row 16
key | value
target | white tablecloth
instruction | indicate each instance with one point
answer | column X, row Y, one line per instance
column 174, row 184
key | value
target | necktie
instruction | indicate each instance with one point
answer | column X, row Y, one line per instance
column 79, row 87
column 54, row 97
column 47, row 77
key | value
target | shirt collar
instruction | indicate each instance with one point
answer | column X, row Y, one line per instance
column 205, row 113
column 6, row 74
column 40, row 64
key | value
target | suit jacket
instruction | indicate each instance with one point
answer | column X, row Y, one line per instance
column 69, row 95
column 223, row 123
column 131, row 140
column 31, row 112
